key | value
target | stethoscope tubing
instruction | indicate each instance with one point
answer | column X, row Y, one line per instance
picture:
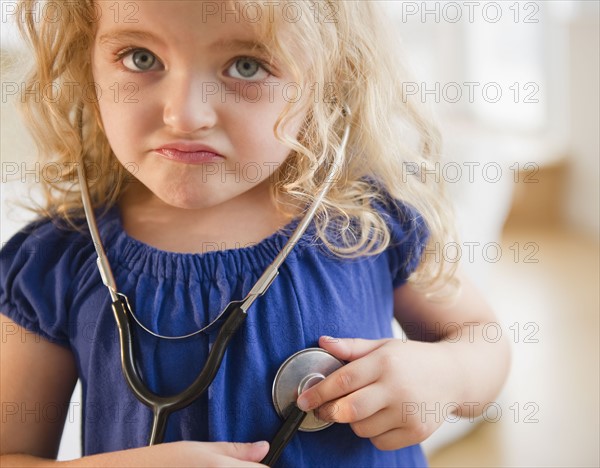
column 284, row 435
column 163, row 406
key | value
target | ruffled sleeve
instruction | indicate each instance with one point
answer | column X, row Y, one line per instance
column 409, row 236
column 36, row 269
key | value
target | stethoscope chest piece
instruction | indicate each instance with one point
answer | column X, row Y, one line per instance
column 298, row 373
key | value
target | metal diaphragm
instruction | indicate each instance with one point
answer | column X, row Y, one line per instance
column 299, row 372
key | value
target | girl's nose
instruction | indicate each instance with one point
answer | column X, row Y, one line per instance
column 188, row 107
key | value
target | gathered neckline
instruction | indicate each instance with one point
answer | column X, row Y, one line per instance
column 137, row 255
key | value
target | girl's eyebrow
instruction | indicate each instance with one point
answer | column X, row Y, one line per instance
column 233, row 44
column 128, row 35
column 219, row 44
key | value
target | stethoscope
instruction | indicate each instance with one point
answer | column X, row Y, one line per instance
column 298, row 373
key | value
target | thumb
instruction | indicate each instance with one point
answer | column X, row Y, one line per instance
column 242, row 451
column 350, row 349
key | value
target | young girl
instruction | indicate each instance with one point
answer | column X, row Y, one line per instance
column 207, row 129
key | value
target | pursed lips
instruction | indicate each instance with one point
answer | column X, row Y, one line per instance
column 189, row 152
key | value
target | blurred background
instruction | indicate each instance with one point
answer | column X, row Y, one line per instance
column 515, row 85
column 516, row 89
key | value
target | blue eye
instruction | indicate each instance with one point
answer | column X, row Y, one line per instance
column 247, row 68
column 139, row 60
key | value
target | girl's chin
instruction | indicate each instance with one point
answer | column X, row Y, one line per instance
column 196, row 201
column 191, row 203
column 196, row 196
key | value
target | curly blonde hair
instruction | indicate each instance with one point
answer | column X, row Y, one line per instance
column 345, row 54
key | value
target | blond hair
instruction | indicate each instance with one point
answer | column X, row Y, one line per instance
column 349, row 58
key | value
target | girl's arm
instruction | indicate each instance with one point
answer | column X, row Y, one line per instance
column 469, row 332
column 397, row 392
column 37, row 379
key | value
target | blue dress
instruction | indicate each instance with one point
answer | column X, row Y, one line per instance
column 49, row 284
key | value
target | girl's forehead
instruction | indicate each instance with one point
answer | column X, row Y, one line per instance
column 188, row 19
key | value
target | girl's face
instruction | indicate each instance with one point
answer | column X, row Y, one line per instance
column 177, row 80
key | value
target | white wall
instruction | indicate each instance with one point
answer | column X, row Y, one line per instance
column 582, row 206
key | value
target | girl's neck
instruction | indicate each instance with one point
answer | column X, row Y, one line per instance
column 237, row 223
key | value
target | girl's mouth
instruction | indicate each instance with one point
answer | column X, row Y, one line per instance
column 189, row 152
column 190, row 157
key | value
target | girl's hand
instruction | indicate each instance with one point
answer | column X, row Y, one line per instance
column 392, row 391
column 186, row 453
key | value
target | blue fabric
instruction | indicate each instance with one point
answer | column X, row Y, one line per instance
column 50, row 285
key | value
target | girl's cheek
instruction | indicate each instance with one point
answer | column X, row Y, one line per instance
column 126, row 99
column 255, row 93
column 113, row 90
column 246, row 92
column 126, row 93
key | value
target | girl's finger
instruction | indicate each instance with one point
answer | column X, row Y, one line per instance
column 398, row 438
column 350, row 349
column 238, row 450
column 359, row 405
column 375, row 425
column 345, row 380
